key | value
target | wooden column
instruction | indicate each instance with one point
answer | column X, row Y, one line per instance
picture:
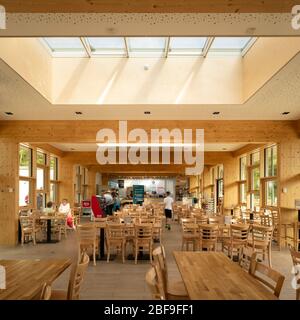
column 9, row 192
column 66, row 178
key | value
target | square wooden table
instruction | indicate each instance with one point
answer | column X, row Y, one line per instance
column 25, row 278
column 213, row 276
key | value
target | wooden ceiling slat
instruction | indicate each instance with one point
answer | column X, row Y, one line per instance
column 149, row 6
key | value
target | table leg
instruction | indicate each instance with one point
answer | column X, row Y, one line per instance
column 49, row 231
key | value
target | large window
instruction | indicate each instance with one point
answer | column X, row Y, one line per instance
column 270, row 181
column 25, row 158
column 271, row 161
column 25, row 173
column 242, row 178
column 24, row 193
column 40, row 158
column 243, row 168
column 254, row 180
column 53, row 168
column 271, row 193
column 40, row 179
column 147, row 46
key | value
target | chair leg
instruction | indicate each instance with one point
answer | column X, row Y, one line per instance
column 136, row 253
column 269, row 256
column 182, row 245
column 150, row 249
column 94, row 254
column 108, row 254
column 123, row 249
column 22, row 239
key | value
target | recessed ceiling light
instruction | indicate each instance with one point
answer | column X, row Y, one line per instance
column 216, row 112
column 224, row 149
column 78, row 112
column 9, row 113
column 147, row 112
column 72, row 149
column 285, row 113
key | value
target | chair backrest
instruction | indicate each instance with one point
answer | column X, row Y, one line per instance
column 266, row 220
column 214, row 220
column 267, row 276
column 239, row 232
column 201, row 219
column 143, row 231
column 188, row 220
column 262, row 234
column 246, row 257
column 208, row 232
column 154, row 285
column 27, row 222
column 115, row 231
column 147, row 220
column 295, row 256
column 86, row 232
column 76, row 277
column 189, row 228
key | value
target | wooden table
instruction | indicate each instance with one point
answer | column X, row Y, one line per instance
column 213, row 276
column 49, row 219
column 25, row 278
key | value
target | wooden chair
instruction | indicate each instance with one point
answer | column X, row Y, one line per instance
column 28, row 229
column 246, row 256
column 75, row 281
column 238, row 239
column 275, row 215
column 201, row 219
column 266, row 220
column 296, row 262
column 261, row 241
column 46, row 292
column 172, row 290
column 257, row 269
column 154, row 285
column 61, row 223
column 143, row 239
column 208, row 236
column 87, row 238
column 189, row 235
column 214, row 220
column 115, row 238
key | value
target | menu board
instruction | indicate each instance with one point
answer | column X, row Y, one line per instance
column 138, row 194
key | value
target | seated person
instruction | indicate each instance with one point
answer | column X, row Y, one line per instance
column 65, row 209
column 49, row 210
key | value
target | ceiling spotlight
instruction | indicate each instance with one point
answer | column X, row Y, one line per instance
column 72, row 149
column 285, row 113
column 224, row 149
column 147, row 112
column 146, row 67
column 78, row 112
column 216, row 112
column 9, row 113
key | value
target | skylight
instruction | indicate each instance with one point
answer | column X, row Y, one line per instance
column 187, row 45
column 230, row 43
column 150, row 45
column 147, row 46
column 107, row 45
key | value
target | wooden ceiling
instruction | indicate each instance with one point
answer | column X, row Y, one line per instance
column 153, row 6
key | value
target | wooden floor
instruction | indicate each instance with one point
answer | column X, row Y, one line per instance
column 117, row 281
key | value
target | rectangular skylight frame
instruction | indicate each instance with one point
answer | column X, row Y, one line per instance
column 106, row 51
column 65, row 52
column 187, row 51
column 147, row 51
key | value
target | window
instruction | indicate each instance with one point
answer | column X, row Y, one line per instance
column 187, row 45
column 271, row 193
column 25, row 158
column 53, row 168
column 53, row 192
column 107, row 45
column 40, row 179
column 24, row 193
column 254, row 201
column 154, row 45
column 254, row 158
column 255, row 176
column 40, row 158
column 145, row 46
column 230, row 44
column 71, row 46
column 243, row 168
column 242, row 193
column 271, row 161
